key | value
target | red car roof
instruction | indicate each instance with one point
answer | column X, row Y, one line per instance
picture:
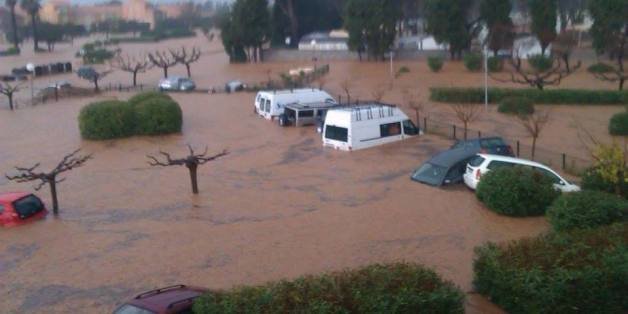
column 12, row 196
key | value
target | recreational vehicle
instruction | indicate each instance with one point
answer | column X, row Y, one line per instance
column 366, row 125
column 301, row 114
column 270, row 104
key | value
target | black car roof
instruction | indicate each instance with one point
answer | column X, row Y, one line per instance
column 480, row 139
column 451, row 157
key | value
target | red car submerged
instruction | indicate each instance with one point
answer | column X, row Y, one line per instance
column 18, row 208
column 169, row 300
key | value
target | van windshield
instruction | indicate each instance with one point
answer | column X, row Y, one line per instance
column 336, row 133
column 28, row 206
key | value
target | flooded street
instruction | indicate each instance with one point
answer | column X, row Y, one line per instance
column 278, row 206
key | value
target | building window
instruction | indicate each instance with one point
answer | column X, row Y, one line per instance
column 390, row 129
column 336, row 133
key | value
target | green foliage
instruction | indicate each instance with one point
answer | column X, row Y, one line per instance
column 516, row 191
column 600, row 67
column 106, row 120
column 496, row 15
column 473, row 62
column 609, row 20
column 619, row 124
column 516, row 105
column 587, row 210
column 447, row 21
column 495, row 64
column 393, row 288
column 10, row 52
column 372, row 25
column 540, row 63
column 95, row 53
column 149, row 113
column 435, row 63
column 156, row 116
column 593, row 180
column 550, row 96
column 583, row 271
column 245, row 25
column 544, row 18
column 312, row 16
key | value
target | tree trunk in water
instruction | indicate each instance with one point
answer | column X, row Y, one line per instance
column 533, row 146
column 187, row 67
column 14, row 26
column 566, row 59
column 621, row 84
column 53, row 192
column 193, row 178
column 10, row 101
column 261, row 53
column 134, row 78
column 165, row 72
column 465, row 131
column 96, row 88
column 34, row 25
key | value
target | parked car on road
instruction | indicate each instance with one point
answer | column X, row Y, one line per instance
column 446, row 167
column 169, row 300
column 487, row 145
column 176, row 83
column 483, row 163
column 234, row 86
column 19, row 208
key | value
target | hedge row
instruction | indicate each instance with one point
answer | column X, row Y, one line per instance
column 550, row 96
column 149, row 113
column 618, row 124
column 393, row 288
column 587, row 210
column 583, row 271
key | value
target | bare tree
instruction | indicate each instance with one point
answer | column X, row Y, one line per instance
column 68, row 163
column 534, row 125
column 192, row 161
column 346, row 87
column 92, row 75
column 466, row 113
column 564, row 45
column 378, row 93
column 8, row 90
column 320, row 82
column 413, row 101
column 186, row 57
column 162, row 60
column 538, row 77
column 609, row 73
column 132, row 65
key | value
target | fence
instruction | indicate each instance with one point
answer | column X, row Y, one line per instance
column 569, row 164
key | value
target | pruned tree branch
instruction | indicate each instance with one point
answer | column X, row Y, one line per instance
column 163, row 60
column 537, row 78
column 186, row 57
column 133, row 65
column 9, row 90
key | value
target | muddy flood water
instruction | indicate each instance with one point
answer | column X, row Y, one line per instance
column 278, row 206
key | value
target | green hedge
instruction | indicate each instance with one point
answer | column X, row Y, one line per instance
column 582, row 271
column 586, row 210
column 516, row 105
column 144, row 114
column 394, row 288
column 516, row 191
column 435, row 63
column 495, row 64
column 107, row 120
column 548, row 96
column 473, row 62
column 619, row 124
column 592, row 180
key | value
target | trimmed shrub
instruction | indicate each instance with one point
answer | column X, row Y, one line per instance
column 156, row 116
column 587, row 210
column 516, row 191
column 138, row 98
column 583, row 271
column 592, row 180
column 600, row 67
column 394, row 288
column 540, row 62
column 619, row 124
column 473, row 62
column 435, row 63
column 495, row 64
column 516, row 105
column 107, row 120
column 548, row 96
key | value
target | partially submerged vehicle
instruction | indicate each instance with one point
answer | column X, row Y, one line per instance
column 366, row 125
column 176, row 83
column 19, row 208
column 270, row 104
column 486, row 145
column 306, row 113
column 169, row 300
column 446, row 167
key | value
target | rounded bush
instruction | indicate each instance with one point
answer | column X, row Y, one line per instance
column 473, row 62
column 495, row 64
column 619, row 124
column 107, row 120
column 516, row 191
column 138, row 98
column 586, row 210
column 516, row 105
column 157, row 116
column 435, row 63
column 540, row 62
column 600, row 67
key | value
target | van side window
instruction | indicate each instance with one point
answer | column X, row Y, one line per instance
column 390, row 129
column 306, row 113
column 336, row 133
column 498, row 164
column 267, row 108
column 409, row 128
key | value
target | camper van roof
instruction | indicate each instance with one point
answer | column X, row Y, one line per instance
column 364, row 106
column 312, row 105
column 292, row 91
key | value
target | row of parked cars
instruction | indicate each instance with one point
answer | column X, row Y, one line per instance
column 467, row 161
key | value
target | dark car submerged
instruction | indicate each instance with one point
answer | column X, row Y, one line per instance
column 446, row 167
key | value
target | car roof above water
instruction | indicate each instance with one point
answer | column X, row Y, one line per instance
column 451, row 157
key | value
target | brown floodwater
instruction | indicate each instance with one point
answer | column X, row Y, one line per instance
column 279, row 206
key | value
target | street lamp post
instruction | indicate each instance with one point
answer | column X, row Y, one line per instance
column 30, row 67
column 391, row 64
column 485, row 78
column 313, row 43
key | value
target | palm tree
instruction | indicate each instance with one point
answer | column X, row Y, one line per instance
column 11, row 4
column 32, row 7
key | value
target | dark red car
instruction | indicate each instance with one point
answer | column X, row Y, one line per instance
column 169, row 300
column 19, row 208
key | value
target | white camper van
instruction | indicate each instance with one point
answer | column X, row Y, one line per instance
column 366, row 125
column 270, row 104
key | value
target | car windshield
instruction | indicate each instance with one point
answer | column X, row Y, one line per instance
column 430, row 174
column 492, row 142
column 476, row 161
column 132, row 309
column 28, row 206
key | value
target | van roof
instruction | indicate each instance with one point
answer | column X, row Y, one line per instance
column 367, row 111
column 513, row 160
column 312, row 105
column 290, row 91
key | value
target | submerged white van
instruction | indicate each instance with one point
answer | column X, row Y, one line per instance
column 366, row 125
column 271, row 104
